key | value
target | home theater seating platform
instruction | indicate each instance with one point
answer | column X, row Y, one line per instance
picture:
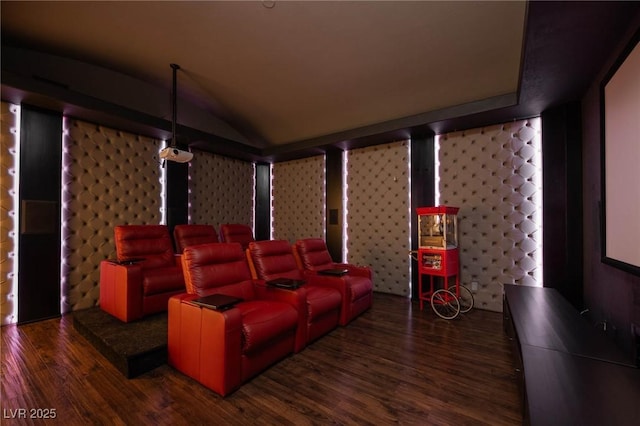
column 151, row 314
column 568, row 372
column 134, row 348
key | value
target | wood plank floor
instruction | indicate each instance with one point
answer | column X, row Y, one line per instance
column 394, row 364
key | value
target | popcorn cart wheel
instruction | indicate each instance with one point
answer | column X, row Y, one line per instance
column 465, row 297
column 447, row 302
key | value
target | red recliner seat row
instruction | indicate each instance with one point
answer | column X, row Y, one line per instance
column 269, row 260
column 146, row 273
column 224, row 348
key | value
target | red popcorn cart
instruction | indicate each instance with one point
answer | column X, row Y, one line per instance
column 438, row 255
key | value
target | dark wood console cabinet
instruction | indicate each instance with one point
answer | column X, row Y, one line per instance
column 569, row 373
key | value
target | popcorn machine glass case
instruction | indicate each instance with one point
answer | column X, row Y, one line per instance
column 438, row 227
column 438, row 240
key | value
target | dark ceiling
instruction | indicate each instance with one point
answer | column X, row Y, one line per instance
column 305, row 76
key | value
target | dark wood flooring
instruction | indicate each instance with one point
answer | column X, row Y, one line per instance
column 394, row 364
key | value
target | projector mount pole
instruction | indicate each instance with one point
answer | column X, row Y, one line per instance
column 174, row 104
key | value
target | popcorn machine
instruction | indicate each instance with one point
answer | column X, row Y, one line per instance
column 438, row 253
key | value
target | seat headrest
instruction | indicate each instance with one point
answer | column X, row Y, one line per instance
column 149, row 242
column 207, row 266
column 193, row 234
column 270, row 248
column 236, row 233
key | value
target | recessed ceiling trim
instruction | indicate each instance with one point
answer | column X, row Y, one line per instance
column 398, row 126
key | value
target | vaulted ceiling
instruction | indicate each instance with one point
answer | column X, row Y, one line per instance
column 275, row 79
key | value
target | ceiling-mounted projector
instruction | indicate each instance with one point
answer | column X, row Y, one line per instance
column 175, row 154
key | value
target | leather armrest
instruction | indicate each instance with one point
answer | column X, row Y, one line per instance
column 296, row 298
column 313, row 278
column 121, row 290
column 362, row 271
column 205, row 344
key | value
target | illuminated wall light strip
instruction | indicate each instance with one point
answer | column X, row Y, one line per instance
column 409, row 214
column 64, row 196
column 345, row 201
column 15, row 213
column 324, row 201
column 537, row 181
column 163, row 186
column 189, row 171
column 271, row 213
column 436, row 149
column 254, row 196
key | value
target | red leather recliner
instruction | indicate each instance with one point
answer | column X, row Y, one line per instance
column 145, row 274
column 274, row 259
column 356, row 286
column 223, row 349
column 193, row 234
column 236, row 233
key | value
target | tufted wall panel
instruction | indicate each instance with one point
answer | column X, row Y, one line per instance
column 220, row 190
column 8, row 146
column 378, row 214
column 494, row 175
column 109, row 178
column 299, row 199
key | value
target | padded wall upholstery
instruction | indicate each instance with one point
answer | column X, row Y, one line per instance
column 8, row 146
column 491, row 174
column 220, row 190
column 378, row 214
column 111, row 178
column 299, row 199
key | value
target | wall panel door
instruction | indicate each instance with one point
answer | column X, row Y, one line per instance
column 40, row 189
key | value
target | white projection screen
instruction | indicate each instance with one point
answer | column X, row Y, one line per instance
column 621, row 161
